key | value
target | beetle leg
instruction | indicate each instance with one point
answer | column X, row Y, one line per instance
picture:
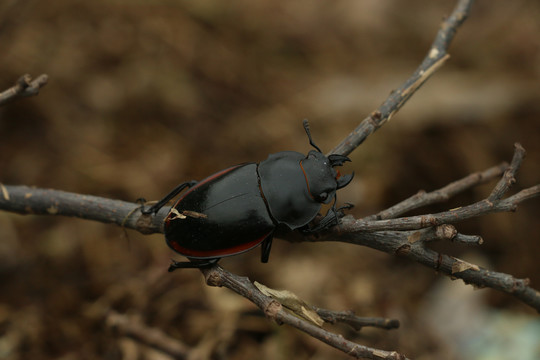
column 155, row 208
column 326, row 222
column 333, row 212
column 344, row 180
column 194, row 264
column 265, row 247
column 331, row 218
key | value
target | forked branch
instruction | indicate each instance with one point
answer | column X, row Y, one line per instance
column 408, row 236
column 217, row 276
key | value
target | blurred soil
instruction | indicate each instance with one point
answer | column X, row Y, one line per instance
column 144, row 95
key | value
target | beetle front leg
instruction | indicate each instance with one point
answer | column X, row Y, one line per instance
column 331, row 218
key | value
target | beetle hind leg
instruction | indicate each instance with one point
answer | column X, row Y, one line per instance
column 155, row 208
column 193, row 264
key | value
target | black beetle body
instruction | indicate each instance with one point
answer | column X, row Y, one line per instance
column 238, row 208
column 221, row 215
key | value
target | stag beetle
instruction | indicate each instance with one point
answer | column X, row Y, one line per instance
column 240, row 207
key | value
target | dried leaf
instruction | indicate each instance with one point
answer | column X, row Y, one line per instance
column 292, row 302
column 460, row 265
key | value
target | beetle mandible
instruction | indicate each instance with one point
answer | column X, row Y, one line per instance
column 240, row 207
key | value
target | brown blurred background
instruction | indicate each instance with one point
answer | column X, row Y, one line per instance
column 144, row 95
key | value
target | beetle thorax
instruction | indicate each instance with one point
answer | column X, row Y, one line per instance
column 320, row 176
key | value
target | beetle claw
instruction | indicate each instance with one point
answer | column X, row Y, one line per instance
column 344, row 180
column 337, row 160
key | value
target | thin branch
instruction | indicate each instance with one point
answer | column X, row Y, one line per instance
column 434, row 59
column 468, row 239
column 479, row 208
column 24, row 87
column 509, row 178
column 30, row 200
column 523, row 195
column 490, row 205
column 402, row 243
column 357, row 323
column 217, row 276
column 422, row 198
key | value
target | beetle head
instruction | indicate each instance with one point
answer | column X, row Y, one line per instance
column 321, row 177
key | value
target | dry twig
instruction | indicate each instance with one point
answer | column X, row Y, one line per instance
column 217, row 276
column 24, row 87
column 434, row 59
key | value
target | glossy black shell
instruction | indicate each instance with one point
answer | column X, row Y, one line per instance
column 237, row 208
column 226, row 214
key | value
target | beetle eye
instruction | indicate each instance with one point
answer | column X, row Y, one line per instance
column 322, row 197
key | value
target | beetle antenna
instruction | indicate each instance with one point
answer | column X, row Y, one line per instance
column 306, row 127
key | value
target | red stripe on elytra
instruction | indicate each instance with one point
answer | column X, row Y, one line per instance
column 204, row 254
column 218, row 252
